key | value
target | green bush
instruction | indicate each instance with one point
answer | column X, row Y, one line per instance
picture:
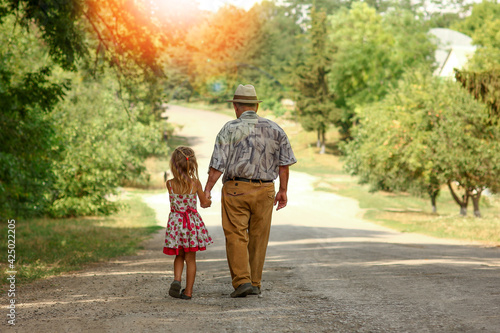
column 102, row 146
column 28, row 92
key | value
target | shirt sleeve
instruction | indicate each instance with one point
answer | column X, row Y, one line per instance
column 221, row 151
column 287, row 156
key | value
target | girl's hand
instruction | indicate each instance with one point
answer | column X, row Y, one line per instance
column 205, row 201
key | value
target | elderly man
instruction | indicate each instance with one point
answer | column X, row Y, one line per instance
column 251, row 152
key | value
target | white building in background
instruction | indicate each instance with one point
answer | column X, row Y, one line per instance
column 454, row 50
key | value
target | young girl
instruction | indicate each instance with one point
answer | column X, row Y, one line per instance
column 186, row 232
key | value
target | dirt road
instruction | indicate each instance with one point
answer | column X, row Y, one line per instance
column 326, row 271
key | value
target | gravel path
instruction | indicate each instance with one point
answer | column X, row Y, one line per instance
column 326, row 271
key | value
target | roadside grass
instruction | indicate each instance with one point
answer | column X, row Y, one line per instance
column 46, row 247
column 307, row 153
column 407, row 213
column 399, row 211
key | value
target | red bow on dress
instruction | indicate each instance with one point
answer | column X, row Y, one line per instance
column 185, row 217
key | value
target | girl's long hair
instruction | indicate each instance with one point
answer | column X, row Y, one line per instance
column 184, row 168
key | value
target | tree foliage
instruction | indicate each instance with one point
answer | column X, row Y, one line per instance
column 483, row 25
column 126, row 37
column 218, row 50
column 315, row 107
column 39, row 151
column 28, row 92
column 424, row 134
column 100, row 148
column 83, row 82
column 372, row 52
column 58, row 24
column 269, row 70
column 484, row 86
column 481, row 15
column 118, row 33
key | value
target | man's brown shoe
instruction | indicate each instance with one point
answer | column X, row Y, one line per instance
column 242, row 291
column 255, row 291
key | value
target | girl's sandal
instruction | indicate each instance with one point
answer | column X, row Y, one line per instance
column 184, row 296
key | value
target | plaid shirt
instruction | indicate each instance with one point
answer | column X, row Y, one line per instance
column 251, row 147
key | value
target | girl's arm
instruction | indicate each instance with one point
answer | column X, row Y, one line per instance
column 204, row 201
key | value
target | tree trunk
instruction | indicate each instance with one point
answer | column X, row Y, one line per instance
column 462, row 203
column 323, row 147
column 463, row 210
column 318, row 142
column 433, row 195
column 475, row 202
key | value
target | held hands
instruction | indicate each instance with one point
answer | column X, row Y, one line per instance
column 205, row 201
column 280, row 199
column 208, row 203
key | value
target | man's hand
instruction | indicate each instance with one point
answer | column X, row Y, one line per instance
column 280, row 199
column 213, row 176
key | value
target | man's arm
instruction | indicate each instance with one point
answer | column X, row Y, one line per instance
column 213, row 177
column 281, row 198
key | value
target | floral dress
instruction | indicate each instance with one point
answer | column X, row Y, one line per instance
column 185, row 228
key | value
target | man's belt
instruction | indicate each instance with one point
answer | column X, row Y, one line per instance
column 246, row 180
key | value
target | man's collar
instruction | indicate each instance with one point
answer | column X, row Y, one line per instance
column 249, row 114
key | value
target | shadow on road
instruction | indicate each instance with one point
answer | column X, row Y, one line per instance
column 315, row 280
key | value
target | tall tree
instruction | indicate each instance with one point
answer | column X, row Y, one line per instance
column 393, row 148
column 315, row 107
column 485, row 87
column 373, row 51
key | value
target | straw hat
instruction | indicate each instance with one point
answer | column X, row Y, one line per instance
column 245, row 94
